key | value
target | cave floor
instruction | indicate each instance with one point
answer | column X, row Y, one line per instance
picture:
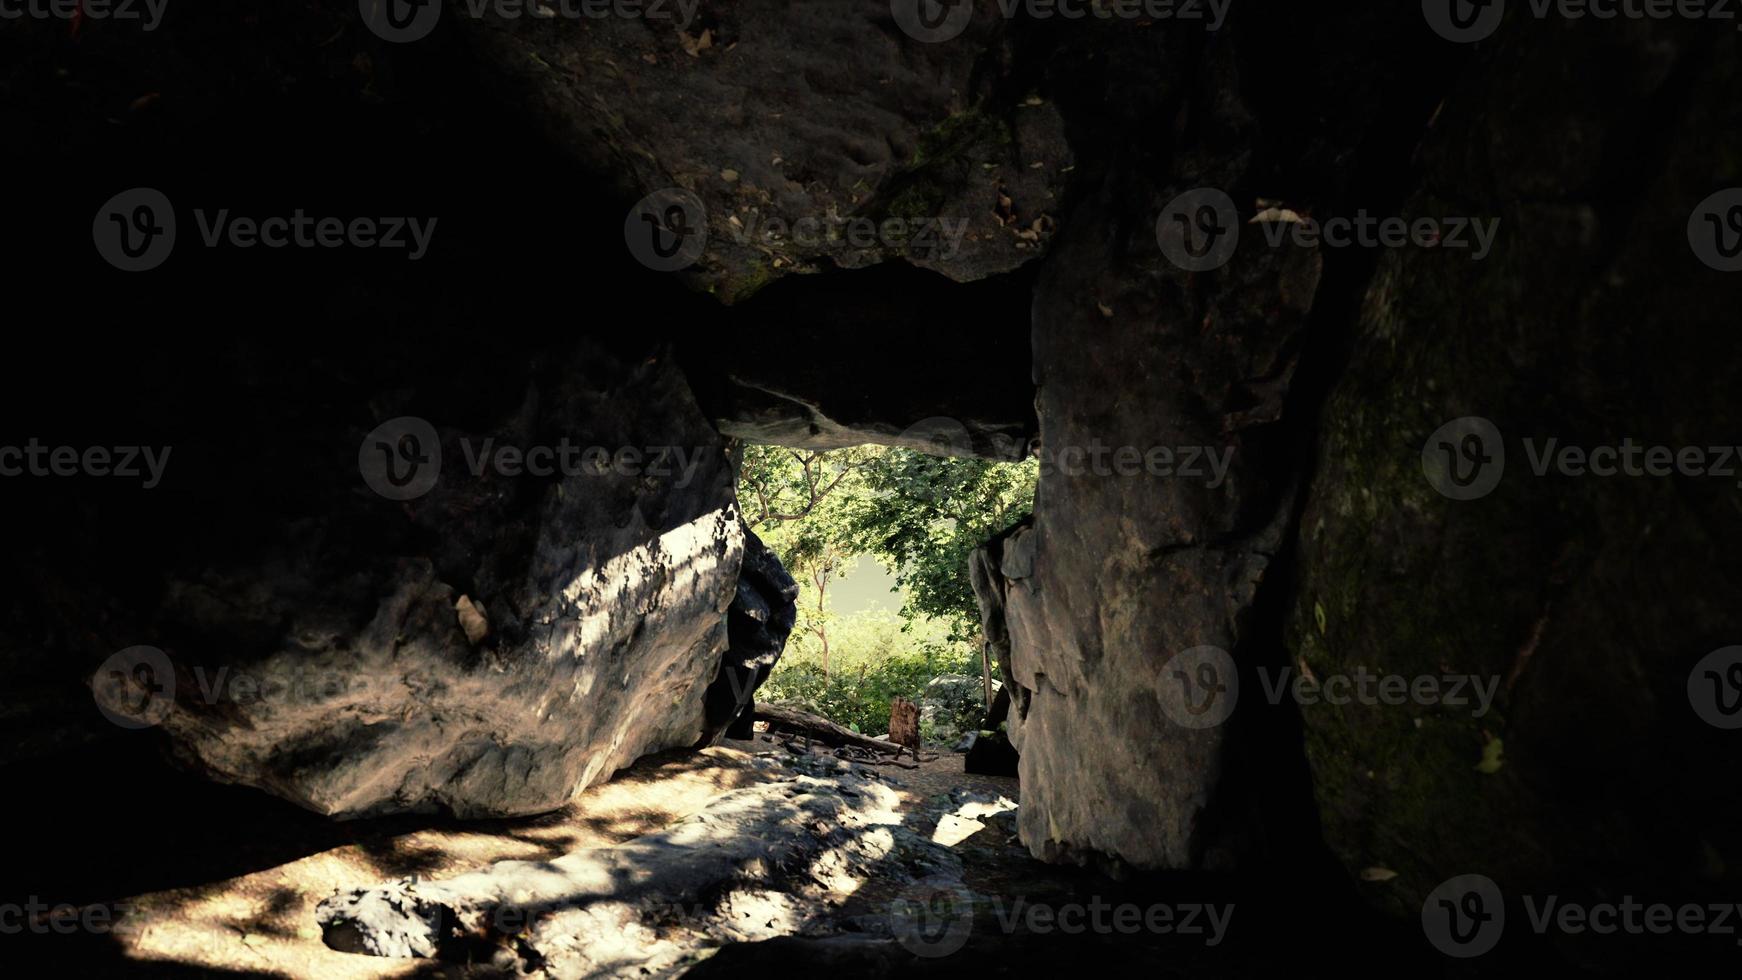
column 235, row 895
column 261, row 921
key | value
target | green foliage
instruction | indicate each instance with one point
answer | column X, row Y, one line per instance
column 794, row 500
column 920, row 517
column 876, row 657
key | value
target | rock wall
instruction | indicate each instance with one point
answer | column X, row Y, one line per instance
column 1125, row 574
column 774, row 373
column 770, row 123
column 1135, row 606
column 1163, row 497
column 1581, row 602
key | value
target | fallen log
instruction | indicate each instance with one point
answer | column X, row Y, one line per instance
column 820, row 728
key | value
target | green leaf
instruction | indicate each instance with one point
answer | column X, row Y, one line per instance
column 1492, row 757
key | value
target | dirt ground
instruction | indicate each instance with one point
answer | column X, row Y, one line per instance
column 261, row 922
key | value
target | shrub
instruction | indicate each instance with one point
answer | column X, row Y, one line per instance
column 872, row 661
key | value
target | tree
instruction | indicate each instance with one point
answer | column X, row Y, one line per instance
column 777, row 485
column 791, row 498
column 921, row 516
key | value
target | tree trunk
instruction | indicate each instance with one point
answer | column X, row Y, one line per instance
column 986, row 671
column 819, row 728
column 820, row 577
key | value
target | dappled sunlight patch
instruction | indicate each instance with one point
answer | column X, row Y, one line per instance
column 765, row 861
column 264, row 922
column 967, row 820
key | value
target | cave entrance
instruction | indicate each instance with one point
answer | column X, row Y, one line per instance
column 884, row 643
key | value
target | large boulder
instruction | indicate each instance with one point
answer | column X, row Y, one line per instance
column 759, row 621
column 434, row 614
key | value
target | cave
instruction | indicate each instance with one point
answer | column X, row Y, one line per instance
column 379, row 599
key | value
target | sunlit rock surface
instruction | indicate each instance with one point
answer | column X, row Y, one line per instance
column 485, row 648
column 757, row 863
